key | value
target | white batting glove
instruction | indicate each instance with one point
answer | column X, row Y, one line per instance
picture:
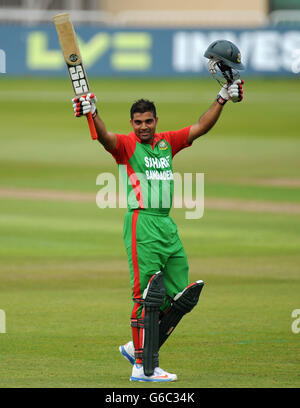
column 85, row 104
column 233, row 92
column 223, row 95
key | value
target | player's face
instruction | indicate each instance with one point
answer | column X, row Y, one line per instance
column 144, row 125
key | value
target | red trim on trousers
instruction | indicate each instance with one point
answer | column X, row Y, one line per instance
column 135, row 263
column 137, row 332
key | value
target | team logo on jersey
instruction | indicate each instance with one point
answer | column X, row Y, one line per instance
column 162, row 145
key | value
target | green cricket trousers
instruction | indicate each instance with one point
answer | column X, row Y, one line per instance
column 153, row 244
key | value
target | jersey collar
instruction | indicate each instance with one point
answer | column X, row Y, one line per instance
column 156, row 137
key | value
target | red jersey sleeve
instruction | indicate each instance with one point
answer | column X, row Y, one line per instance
column 124, row 149
column 177, row 139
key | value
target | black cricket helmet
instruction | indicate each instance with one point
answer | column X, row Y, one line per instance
column 224, row 61
column 226, row 52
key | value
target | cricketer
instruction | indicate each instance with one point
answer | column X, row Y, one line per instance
column 159, row 271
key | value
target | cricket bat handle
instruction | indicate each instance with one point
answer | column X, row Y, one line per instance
column 91, row 123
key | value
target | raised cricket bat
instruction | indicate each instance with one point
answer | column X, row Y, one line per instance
column 70, row 49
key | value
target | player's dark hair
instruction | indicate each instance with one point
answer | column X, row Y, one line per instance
column 142, row 106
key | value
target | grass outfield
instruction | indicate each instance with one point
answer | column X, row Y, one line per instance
column 64, row 280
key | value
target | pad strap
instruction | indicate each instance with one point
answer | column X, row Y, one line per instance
column 137, row 326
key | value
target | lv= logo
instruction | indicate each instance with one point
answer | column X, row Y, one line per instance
column 126, row 51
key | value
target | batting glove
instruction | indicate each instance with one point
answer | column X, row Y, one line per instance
column 233, row 92
column 85, row 104
column 223, row 95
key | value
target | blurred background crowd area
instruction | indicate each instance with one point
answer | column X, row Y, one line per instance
column 156, row 13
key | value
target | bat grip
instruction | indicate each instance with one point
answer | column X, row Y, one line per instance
column 91, row 123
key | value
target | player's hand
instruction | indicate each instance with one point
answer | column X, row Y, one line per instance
column 223, row 95
column 84, row 104
column 235, row 91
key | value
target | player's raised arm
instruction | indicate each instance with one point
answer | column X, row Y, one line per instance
column 85, row 104
column 224, row 64
column 233, row 92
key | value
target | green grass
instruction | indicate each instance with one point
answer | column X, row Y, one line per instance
column 64, row 279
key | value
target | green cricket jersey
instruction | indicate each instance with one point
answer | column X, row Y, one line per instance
column 147, row 169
